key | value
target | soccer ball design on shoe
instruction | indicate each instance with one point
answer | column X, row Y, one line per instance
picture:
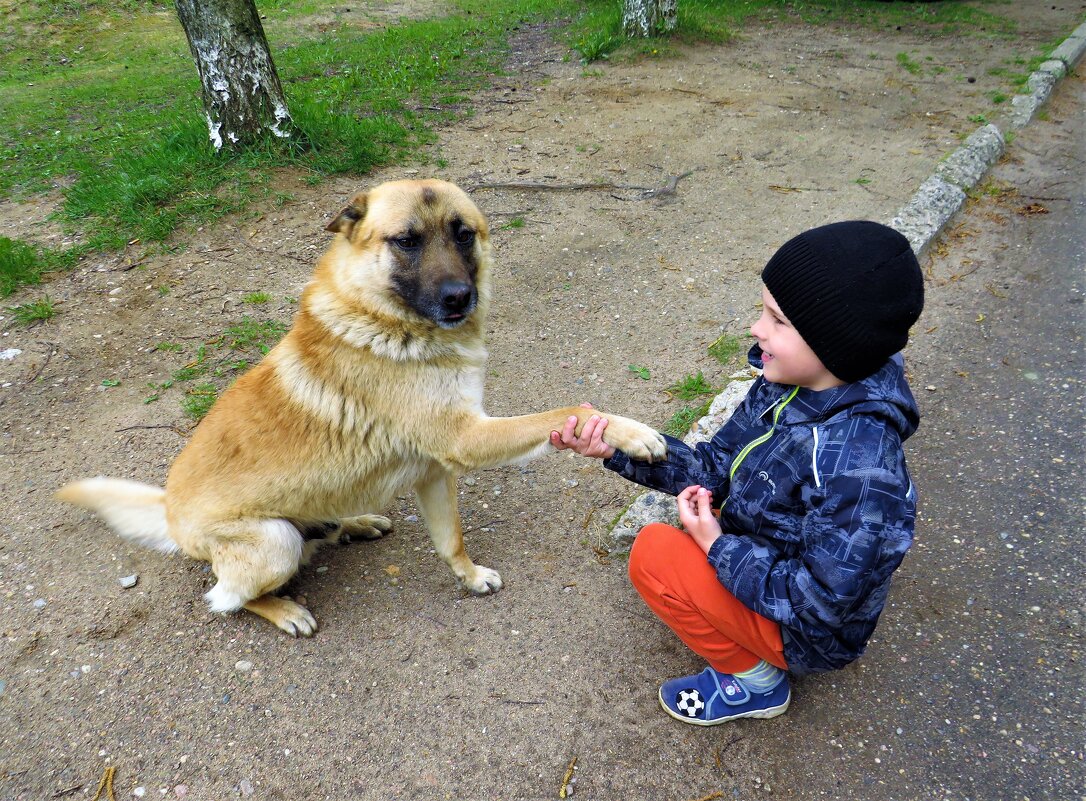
column 709, row 698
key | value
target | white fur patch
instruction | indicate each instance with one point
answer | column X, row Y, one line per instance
column 135, row 511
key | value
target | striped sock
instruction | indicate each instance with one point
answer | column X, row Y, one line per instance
column 760, row 678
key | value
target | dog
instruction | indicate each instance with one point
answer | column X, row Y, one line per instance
column 375, row 389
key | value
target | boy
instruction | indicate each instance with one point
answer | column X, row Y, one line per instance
column 816, row 504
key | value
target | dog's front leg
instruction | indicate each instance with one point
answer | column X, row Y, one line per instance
column 437, row 501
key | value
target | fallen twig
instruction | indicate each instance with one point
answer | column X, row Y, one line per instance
column 565, row 779
column 539, row 186
column 107, row 784
column 170, row 426
column 48, row 355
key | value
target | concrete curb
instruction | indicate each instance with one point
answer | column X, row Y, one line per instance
column 926, row 214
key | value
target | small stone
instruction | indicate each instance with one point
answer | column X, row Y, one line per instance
column 128, row 582
column 139, row 792
column 40, row 603
column 243, row 665
column 245, row 787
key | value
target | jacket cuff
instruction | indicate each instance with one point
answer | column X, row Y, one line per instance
column 617, row 461
column 716, row 550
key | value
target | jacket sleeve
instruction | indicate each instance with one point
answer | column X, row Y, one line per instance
column 705, row 464
column 852, row 538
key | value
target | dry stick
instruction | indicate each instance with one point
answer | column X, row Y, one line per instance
column 48, row 355
column 566, row 778
column 170, row 426
column 646, row 191
column 107, row 784
column 711, row 796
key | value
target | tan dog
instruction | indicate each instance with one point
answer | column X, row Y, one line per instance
column 376, row 388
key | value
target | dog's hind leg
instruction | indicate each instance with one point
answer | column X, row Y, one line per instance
column 364, row 527
column 251, row 559
column 437, row 502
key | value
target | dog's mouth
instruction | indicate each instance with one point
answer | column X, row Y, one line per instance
column 452, row 320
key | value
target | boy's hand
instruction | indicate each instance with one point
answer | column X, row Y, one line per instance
column 589, row 443
column 696, row 515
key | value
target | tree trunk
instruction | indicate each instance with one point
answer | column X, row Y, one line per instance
column 641, row 18
column 243, row 99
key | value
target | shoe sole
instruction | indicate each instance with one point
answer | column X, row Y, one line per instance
column 761, row 714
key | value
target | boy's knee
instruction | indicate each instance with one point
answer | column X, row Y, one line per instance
column 654, row 543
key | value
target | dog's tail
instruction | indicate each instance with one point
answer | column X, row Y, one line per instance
column 135, row 511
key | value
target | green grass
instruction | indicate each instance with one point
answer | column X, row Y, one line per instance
column 728, row 348
column 908, row 64
column 691, row 387
column 35, row 311
column 102, row 98
column 257, row 298
column 679, row 423
column 217, row 362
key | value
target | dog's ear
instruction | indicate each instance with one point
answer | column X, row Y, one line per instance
column 346, row 220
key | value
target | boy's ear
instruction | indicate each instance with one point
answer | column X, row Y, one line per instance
column 346, row 220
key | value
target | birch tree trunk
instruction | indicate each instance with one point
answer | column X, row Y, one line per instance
column 243, row 99
column 641, row 18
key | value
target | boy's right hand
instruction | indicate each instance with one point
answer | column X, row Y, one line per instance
column 589, row 443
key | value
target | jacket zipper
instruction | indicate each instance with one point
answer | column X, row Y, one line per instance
column 756, row 442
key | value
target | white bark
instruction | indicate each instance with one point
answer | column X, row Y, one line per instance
column 243, row 99
column 641, row 18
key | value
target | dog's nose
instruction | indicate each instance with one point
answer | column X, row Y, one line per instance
column 455, row 296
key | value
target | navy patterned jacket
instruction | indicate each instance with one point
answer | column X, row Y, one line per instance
column 816, row 517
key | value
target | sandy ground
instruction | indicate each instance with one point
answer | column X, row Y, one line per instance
column 412, row 689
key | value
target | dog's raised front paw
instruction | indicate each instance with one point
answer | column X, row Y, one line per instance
column 637, row 440
column 482, row 581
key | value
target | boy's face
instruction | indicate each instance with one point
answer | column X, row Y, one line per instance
column 786, row 357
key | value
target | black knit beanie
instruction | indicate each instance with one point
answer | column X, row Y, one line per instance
column 852, row 290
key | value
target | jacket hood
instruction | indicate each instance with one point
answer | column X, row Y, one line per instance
column 885, row 393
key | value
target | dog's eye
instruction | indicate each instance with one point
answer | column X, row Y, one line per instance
column 406, row 242
column 464, row 235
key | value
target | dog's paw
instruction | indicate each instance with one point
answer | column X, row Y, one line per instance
column 291, row 617
column 364, row 527
column 295, row 619
column 637, row 440
column 482, row 581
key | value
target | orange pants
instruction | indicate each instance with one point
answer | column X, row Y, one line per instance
column 680, row 586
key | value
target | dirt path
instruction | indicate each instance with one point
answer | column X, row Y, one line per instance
column 411, row 690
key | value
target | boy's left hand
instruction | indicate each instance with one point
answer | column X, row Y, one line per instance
column 696, row 515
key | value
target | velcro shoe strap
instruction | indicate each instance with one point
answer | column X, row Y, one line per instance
column 732, row 692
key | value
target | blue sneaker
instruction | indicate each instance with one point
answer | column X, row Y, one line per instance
column 709, row 698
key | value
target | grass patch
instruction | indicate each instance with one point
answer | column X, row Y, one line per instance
column 727, row 348
column 679, row 423
column 103, row 97
column 217, row 362
column 910, row 66
column 691, row 387
column 22, row 263
column 35, row 311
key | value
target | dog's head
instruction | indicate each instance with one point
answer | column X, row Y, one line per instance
column 419, row 245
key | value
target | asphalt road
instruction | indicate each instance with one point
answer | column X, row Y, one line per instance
column 973, row 688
